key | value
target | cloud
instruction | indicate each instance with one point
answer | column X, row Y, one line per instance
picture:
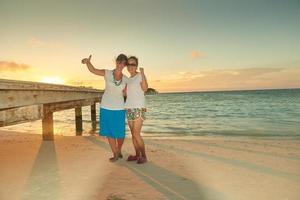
column 230, row 79
column 190, row 75
column 35, row 42
column 196, row 54
column 13, row 66
column 94, row 83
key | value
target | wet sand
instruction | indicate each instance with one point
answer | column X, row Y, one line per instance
column 77, row 167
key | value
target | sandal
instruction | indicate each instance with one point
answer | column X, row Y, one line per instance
column 113, row 159
column 120, row 155
column 132, row 158
column 141, row 160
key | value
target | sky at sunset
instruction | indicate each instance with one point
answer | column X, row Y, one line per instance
column 184, row 45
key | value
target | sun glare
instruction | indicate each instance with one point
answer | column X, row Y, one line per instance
column 52, row 79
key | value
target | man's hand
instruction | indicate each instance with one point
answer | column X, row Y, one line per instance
column 86, row 60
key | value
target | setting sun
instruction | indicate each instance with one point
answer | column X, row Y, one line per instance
column 52, row 79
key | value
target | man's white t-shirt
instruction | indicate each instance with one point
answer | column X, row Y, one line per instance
column 112, row 98
column 135, row 94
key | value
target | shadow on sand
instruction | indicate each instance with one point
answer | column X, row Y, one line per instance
column 171, row 185
column 44, row 181
column 230, row 161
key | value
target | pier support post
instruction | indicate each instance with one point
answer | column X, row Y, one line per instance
column 93, row 116
column 47, row 124
column 78, row 120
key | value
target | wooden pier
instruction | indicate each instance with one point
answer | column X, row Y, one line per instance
column 24, row 101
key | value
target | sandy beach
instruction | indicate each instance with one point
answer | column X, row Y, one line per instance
column 76, row 167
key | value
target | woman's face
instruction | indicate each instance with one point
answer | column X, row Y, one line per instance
column 121, row 64
column 131, row 66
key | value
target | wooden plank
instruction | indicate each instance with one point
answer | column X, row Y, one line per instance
column 20, row 115
column 11, row 99
column 93, row 116
column 6, row 84
column 47, row 124
column 16, row 96
column 35, row 112
column 54, row 107
column 78, row 120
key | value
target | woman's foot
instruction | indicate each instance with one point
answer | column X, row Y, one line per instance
column 113, row 159
column 120, row 155
column 132, row 158
column 141, row 160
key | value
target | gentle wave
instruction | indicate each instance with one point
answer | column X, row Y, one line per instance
column 262, row 113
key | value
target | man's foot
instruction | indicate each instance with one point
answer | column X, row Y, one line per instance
column 113, row 159
column 132, row 158
column 141, row 160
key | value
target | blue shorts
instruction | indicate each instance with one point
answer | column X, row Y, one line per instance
column 112, row 123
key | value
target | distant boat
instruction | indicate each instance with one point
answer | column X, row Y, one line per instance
column 151, row 91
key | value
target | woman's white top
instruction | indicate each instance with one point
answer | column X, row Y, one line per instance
column 112, row 98
column 135, row 94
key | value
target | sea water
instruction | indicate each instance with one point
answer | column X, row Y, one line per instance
column 230, row 113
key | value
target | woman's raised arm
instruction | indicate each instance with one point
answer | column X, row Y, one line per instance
column 87, row 61
column 144, row 83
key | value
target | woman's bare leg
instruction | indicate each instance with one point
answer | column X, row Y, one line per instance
column 137, row 149
column 137, row 126
column 120, row 142
column 113, row 145
column 135, row 144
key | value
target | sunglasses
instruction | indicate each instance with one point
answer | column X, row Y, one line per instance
column 131, row 64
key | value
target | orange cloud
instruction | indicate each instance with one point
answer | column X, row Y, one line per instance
column 13, row 66
column 196, row 54
column 39, row 43
column 231, row 79
column 97, row 84
column 35, row 42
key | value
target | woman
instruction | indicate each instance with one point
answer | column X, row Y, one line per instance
column 112, row 112
column 135, row 108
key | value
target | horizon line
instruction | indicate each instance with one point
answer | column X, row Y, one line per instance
column 233, row 90
column 167, row 92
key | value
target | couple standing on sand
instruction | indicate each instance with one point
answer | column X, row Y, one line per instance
column 113, row 109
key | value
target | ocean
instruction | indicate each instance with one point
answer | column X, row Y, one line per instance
column 257, row 113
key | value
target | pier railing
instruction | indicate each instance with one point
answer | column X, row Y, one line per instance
column 23, row 101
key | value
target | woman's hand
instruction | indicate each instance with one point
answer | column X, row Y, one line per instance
column 142, row 70
column 144, row 83
column 86, row 60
